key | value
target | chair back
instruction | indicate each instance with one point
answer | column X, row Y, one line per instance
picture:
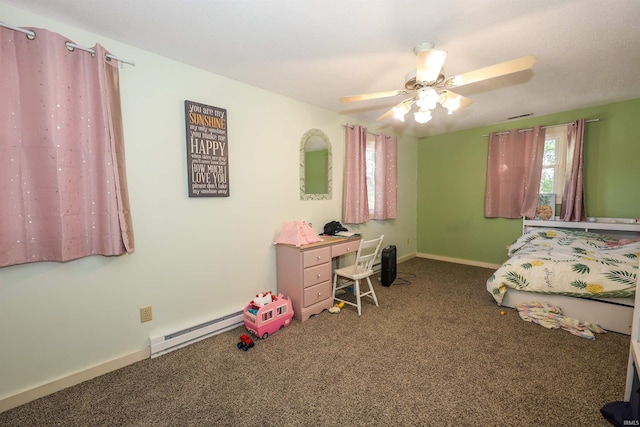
column 367, row 255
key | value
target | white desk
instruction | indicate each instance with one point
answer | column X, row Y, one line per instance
column 304, row 273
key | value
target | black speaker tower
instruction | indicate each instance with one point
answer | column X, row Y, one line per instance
column 389, row 265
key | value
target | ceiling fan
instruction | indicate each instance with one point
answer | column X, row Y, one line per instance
column 428, row 85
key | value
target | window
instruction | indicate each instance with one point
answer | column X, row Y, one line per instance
column 267, row 315
column 371, row 176
column 554, row 161
column 63, row 183
column 281, row 310
column 371, row 173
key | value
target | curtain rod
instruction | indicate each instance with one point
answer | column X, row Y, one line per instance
column 545, row 127
column 32, row 35
column 347, row 125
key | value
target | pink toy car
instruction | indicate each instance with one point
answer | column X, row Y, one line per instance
column 264, row 320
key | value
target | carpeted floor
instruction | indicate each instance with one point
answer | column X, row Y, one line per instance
column 436, row 352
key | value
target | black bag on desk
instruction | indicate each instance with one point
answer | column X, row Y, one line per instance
column 333, row 227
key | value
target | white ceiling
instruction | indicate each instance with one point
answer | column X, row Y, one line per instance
column 319, row 50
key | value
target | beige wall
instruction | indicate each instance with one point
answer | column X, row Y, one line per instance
column 195, row 258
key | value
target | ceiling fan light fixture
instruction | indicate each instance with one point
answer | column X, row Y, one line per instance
column 399, row 111
column 421, row 116
column 427, row 99
column 428, row 86
column 449, row 101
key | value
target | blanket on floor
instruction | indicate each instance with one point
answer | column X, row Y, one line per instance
column 551, row 317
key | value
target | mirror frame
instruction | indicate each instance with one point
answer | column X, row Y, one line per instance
column 303, row 195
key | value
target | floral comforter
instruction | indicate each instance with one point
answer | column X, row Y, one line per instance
column 568, row 262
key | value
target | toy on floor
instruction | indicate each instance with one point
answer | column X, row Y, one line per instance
column 245, row 342
column 261, row 299
column 267, row 314
column 336, row 308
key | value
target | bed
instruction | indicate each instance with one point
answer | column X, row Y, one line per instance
column 577, row 266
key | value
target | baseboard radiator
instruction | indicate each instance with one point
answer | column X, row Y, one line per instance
column 377, row 267
column 166, row 343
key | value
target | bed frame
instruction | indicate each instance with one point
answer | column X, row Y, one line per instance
column 613, row 314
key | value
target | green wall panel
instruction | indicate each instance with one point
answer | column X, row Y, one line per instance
column 451, row 181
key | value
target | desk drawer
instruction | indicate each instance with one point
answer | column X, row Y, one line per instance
column 345, row 248
column 317, row 274
column 316, row 256
column 317, row 293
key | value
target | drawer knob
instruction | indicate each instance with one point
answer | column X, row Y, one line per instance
column 318, row 275
column 318, row 257
column 319, row 294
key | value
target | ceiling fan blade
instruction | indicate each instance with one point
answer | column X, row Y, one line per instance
column 386, row 115
column 464, row 101
column 374, row 95
column 497, row 70
column 430, row 64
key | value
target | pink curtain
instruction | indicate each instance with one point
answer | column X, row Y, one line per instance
column 573, row 208
column 386, row 178
column 355, row 206
column 514, row 166
column 62, row 169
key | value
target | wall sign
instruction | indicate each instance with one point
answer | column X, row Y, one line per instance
column 207, row 155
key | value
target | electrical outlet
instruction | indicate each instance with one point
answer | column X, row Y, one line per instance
column 146, row 314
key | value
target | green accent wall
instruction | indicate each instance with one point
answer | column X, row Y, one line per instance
column 315, row 171
column 451, row 181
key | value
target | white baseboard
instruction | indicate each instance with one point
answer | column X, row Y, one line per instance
column 377, row 267
column 15, row 400
column 406, row 258
column 459, row 261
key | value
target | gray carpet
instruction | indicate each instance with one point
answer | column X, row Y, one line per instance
column 436, row 352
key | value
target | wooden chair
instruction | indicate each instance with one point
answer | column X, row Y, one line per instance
column 362, row 269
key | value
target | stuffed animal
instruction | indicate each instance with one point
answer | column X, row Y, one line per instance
column 263, row 299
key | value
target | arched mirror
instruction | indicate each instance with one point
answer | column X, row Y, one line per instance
column 315, row 166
